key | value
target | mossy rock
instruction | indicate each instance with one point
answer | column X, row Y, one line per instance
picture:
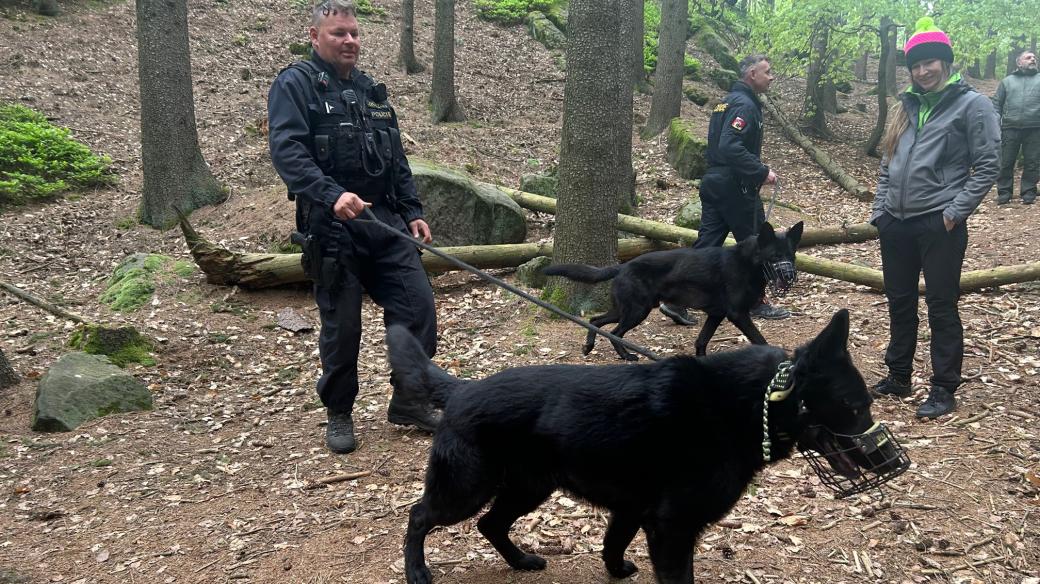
column 79, row 387
column 686, row 150
column 300, row 49
column 695, row 95
column 544, row 31
column 690, row 213
column 545, row 185
column 557, row 14
column 691, row 68
column 723, row 78
column 714, row 46
column 530, row 273
column 122, row 346
column 47, row 7
column 133, row 282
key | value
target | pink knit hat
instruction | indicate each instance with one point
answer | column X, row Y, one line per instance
column 927, row 42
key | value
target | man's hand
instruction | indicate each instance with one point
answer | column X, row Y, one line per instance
column 349, row 206
column 770, row 178
column 948, row 223
column 420, row 230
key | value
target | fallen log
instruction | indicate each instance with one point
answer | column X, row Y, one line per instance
column 832, row 168
column 664, row 232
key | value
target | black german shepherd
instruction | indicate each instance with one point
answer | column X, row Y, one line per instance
column 667, row 447
column 724, row 282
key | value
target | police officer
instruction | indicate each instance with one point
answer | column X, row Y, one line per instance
column 729, row 188
column 335, row 142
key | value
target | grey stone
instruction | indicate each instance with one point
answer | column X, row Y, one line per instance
column 80, row 387
column 540, row 184
column 686, row 150
column 530, row 273
column 690, row 213
column 695, row 95
column 544, row 31
column 462, row 211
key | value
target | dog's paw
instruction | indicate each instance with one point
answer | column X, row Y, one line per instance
column 529, row 562
column 630, row 357
column 587, row 349
column 420, row 575
column 624, row 570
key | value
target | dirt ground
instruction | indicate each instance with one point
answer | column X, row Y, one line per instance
column 221, row 482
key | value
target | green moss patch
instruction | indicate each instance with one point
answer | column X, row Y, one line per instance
column 122, row 345
column 133, row 282
column 686, row 150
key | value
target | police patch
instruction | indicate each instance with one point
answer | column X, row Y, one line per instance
column 738, row 123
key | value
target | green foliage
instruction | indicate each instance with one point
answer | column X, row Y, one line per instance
column 366, row 8
column 510, row 11
column 691, row 67
column 651, row 26
column 39, row 160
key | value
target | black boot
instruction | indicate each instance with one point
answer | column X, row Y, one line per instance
column 895, row 385
column 678, row 314
column 339, row 434
column 940, row 402
column 409, row 409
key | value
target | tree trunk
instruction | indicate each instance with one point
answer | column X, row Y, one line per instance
column 974, row 70
column 886, row 34
column 630, row 9
column 667, row 99
column 991, row 66
column 860, row 68
column 635, row 32
column 407, row 54
column 815, row 108
column 589, row 166
column 832, row 168
column 890, row 62
column 175, row 174
column 443, row 104
column 8, row 376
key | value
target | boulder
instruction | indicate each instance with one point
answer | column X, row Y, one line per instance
column 695, row 95
column 544, row 31
column 557, row 14
column 690, row 213
column 540, row 184
column 462, row 211
column 80, row 387
column 686, row 150
column 714, row 46
column 122, row 345
column 133, row 282
column 530, row 273
column 723, row 78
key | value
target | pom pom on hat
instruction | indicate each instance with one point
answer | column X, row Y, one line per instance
column 927, row 42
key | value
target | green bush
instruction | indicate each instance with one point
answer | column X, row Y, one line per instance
column 510, row 11
column 38, row 159
column 651, row 26
column 691, row 67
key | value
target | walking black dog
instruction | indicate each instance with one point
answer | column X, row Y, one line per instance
column 667, row 447
column 724, row 282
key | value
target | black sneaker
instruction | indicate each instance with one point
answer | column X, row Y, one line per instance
column 339, row 434
column 1003, row 200
column 939, row 403
column 1028, row 201
column 770, row 312
column 895, row 386
column 678, row 314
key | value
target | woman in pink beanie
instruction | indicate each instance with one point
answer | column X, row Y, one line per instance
column 940, row 159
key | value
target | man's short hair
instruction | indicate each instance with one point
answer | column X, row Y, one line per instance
column 748, row 63
column 331, row 7
column 1024, row 53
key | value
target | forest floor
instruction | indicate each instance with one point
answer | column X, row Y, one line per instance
column 220, row 481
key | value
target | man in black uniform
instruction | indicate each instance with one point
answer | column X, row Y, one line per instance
column 335, row 142
column 729, row 188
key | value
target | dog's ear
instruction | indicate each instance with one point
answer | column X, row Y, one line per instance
column 794, row 234
column 833, row 340
column 766, row 234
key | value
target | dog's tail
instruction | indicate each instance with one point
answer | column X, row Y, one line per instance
column 582, row 273
column 412, row 370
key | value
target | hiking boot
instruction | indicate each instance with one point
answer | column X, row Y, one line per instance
column 939, row 403
column 1003, row 200
column 339, row 433
column 678, row 314
column 1028, row 200
column 770, row 312
column 893, row 385
column 411, row 411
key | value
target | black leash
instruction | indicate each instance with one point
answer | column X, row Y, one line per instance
column 644, row 352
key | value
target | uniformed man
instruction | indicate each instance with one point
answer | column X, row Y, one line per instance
column 729, row 189
column 335, row 142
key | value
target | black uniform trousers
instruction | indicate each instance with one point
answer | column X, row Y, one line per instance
column 908, row 248
column 1013, row 140
column 727, row 206
column 389, row 269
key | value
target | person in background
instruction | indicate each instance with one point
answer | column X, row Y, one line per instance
column 940, row 158
column 1018, row 103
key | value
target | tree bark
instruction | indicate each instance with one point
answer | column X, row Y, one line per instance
column 630, row 43
column 443, row 104
column 407, row 53
column 991, row 66
column 860, row 68
column 890, row 61
column 588, row 193
column 636, row 31
column 886, row 34
column 8, row 376
column 175, row 173
column 667, row 98
column 815, row 108
column 832, row 168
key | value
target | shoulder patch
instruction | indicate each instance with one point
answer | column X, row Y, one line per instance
column 721, row 107
column 738, row 124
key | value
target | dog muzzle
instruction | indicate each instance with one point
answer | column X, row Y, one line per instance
column 780, row 276
column 851, row 464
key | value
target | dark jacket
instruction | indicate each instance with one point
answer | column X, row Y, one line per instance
column 1018, row 100
column 947, row 165
column 317, row 139
column 735, row 137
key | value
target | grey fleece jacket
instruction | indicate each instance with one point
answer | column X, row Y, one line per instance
column 948, row 164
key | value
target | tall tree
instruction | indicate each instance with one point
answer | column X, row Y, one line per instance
column 443, row 105
column 175, row 173
column 887, row 37
column 667, row 100
column 8, row 377
column 407, row 55
column 815, row 108
column 635, row 24
column 632, row 55
column 586, row 212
